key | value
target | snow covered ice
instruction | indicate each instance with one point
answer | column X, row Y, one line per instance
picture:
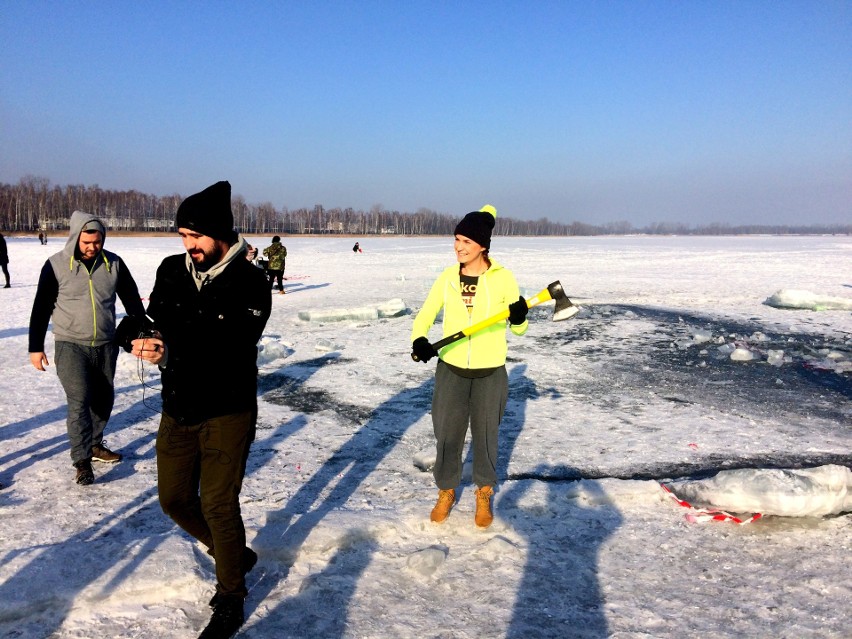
column 641, row 387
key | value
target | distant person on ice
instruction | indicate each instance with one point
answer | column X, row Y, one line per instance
column 209, row 306
column 357, row 248
column 276, row 253
column 77, row 288
column 4, row 260
column 471, row 384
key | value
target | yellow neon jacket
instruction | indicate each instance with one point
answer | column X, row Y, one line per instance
column 495, row 290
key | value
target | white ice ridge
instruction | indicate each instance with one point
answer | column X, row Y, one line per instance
column 811, row 492
column 392, row 308
column 792, row 298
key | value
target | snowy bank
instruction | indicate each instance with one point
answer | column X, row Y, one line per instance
column 392, row 308
column 796, row 299
column 811, row 492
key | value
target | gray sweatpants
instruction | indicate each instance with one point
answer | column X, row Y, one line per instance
column 86, row 374
column 459, row 402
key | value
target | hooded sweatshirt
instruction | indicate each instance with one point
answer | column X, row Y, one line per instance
column 80, row 295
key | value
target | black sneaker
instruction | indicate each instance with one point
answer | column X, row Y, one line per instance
column 248, row 561
column 228, row 616
column 103, row 454
column 85, row 475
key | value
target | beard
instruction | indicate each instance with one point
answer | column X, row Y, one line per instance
column 205, row 259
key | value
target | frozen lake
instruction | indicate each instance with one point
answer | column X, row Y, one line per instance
column 671, row 370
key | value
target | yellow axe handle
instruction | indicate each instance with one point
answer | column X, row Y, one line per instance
column 539, row 298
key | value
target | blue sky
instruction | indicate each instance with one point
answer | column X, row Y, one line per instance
column 694, row 112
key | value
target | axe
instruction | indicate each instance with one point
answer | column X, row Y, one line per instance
column 564, row 310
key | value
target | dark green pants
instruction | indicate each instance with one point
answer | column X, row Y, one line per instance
column 200, row 471
column 459, row 402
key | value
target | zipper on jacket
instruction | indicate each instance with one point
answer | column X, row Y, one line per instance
column 92, row 295
column 470, row 321
column 94, row 312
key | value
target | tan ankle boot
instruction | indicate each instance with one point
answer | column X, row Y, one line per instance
column 483, row 516
column 446, row 500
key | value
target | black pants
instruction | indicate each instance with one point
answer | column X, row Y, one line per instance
column 276, row 275
column 200, row 473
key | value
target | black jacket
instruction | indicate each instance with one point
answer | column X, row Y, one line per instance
column 211, row 336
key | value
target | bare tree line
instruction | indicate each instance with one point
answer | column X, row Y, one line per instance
column 34, row 205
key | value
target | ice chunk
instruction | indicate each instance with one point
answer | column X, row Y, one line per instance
column 270, row 349
column 326, row 346
column 339, row 314
column 791, row 298
column 774, row 357
column 829, row 364
column 741, row 354
column 727, row 349
column 811, row 492
column 425, row 459
column 699, row 336
column 391, row 308
column 425, row 562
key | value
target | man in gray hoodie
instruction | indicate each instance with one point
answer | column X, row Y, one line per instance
column 78, row 288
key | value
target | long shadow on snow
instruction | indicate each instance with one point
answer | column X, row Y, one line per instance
column 328, row 489
column 58, row 444
column 54, row 571
column 559, row 594
column 18, row 428
column 38, row 597
column 302, row 288
column 13, row 332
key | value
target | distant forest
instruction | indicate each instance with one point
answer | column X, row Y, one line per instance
column 34, row 205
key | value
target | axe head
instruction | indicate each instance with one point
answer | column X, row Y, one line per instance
column 565, row 309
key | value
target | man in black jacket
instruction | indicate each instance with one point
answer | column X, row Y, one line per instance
column 209, row 308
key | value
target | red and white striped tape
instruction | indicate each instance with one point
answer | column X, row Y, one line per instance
column 700, row 515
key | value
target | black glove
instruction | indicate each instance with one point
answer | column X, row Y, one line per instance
column 518, row 311
column 130, row 328
column 422, row 349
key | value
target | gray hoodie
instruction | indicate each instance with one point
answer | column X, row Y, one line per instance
column 84, row 311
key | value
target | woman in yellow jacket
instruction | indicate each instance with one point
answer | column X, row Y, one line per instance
column 471, row 384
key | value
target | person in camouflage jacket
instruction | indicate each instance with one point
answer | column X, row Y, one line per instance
column 276, row 253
